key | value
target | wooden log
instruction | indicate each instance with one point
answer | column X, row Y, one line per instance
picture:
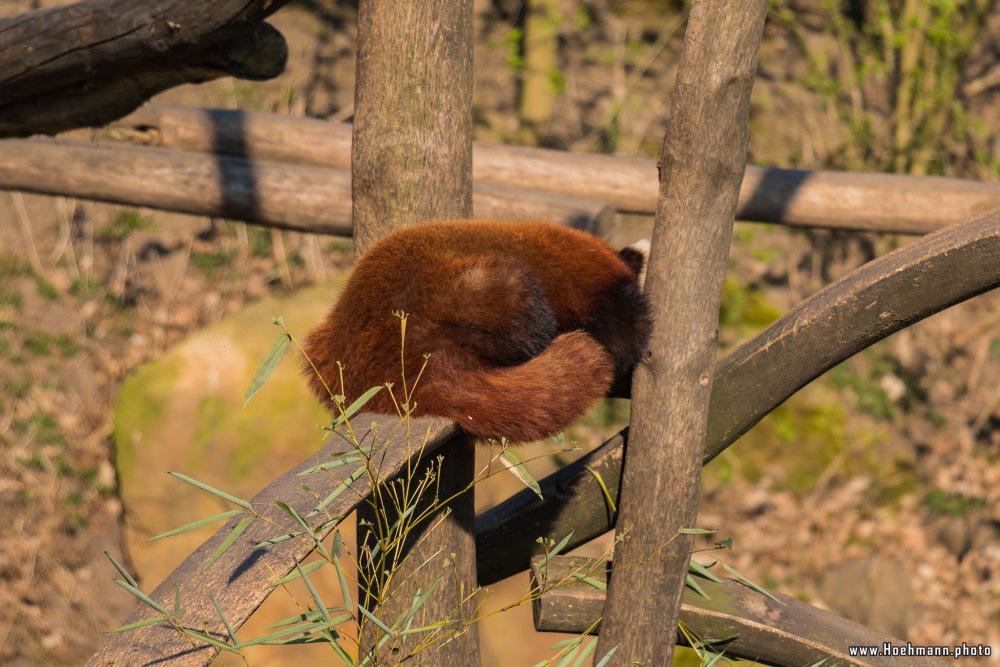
column 760, row 629
column 865, row 306
column 702, row 161
column 91, row 62
column 290, row 196
column 411, row 161
column 243, row 577
column 837, row 200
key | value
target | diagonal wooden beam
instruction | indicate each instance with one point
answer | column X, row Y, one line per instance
column 865, row 306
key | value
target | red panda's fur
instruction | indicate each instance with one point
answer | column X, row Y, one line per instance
column 527, row 324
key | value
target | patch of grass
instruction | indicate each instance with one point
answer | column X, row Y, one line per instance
column 17, row 388
column 87, row 287
column 34, row 461
column 37, row 342
column 9, row 297
column 45, row 426
column 47, row 290
column 210, row 262
column 68, row 346
column 123, row 224
column 745, row 308
column 942, row 503
column 260, row 241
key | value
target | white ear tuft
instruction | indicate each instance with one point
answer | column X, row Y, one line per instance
column 642, row 247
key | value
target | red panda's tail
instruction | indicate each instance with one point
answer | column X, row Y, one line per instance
column 526, row 402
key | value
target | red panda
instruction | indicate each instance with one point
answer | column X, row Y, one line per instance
column 526, row 324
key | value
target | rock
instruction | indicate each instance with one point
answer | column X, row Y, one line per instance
column 873, row 591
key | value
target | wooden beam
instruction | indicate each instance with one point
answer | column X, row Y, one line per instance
column 837, row 200
column 865, row 306
column 702, row 161
column 291, row 196
column 88, row 63
column 243, row 577
column 758, row 628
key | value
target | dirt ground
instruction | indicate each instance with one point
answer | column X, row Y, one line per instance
column 875, row 492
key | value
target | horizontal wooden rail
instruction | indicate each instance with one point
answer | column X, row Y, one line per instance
column 789, row 632
column 845, row 200
column 291, row 196
column 867, row 305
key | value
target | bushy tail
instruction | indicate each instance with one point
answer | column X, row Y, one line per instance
column 530, row 401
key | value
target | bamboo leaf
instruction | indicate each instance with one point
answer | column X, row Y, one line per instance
column 315, row 595
column 345, row 592
column 382, row 626
column 228, row 542
column 267, row 366
column 690, row 582
column 292, row 576
column 513, row 463
column 138, row 624
column 121, row 569
column 353, row 408
column 604, row 489
column 607, row 657
column 225, row 621
column 214, row 491
column 142, row 596
column 196, row 524
column 702, row 571
column 751, row 584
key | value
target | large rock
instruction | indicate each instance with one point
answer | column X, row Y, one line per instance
column 183, row 412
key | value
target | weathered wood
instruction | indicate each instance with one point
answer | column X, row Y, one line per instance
column 865, row 306
column 290, row 196
column 786, row 633
column 411, row 161
column 702, row 161
column 839, row 200
column 242, row 578
column 90, row 62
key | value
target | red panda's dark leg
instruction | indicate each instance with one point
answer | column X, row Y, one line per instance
column 620, row 322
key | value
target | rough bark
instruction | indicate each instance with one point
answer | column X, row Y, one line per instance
column 702, row 163
column 838, row 200
column 90, row 62
column 291, row 196
column 412, row 161
column 786, row 632
column 868, row 305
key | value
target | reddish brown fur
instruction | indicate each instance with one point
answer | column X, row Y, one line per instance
column 526, row 324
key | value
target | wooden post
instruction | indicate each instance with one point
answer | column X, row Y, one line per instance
column 701, row 166
column 412, row 161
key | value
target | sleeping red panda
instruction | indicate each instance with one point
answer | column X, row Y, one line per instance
column 526, row 324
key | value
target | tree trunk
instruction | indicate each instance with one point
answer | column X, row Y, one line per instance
column 412, row 161
column 701, row 166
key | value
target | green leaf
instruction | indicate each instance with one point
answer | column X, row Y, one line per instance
column 292, row 576
column 693, row 585
column 267, row 367
column 587, row 651
column 695, row 531
column 596, row 583
column 121, row 569
column 315, row 594
column 225, row 622
column 702, row 570
column 214, row 491
column 371, row 617
column 339, row 489
column 513, row 463
column 751, row 584
column 228, row 542
column 142, row 596
column 607, row 657
column 177, row 597
column 288, row 509
column 353, row 408
column 138, row 624
column 345, row 592
column 554, row 551
column 196, row 524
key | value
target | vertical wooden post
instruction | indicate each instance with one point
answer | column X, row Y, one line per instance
column 701, row 167
column 412, row 161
